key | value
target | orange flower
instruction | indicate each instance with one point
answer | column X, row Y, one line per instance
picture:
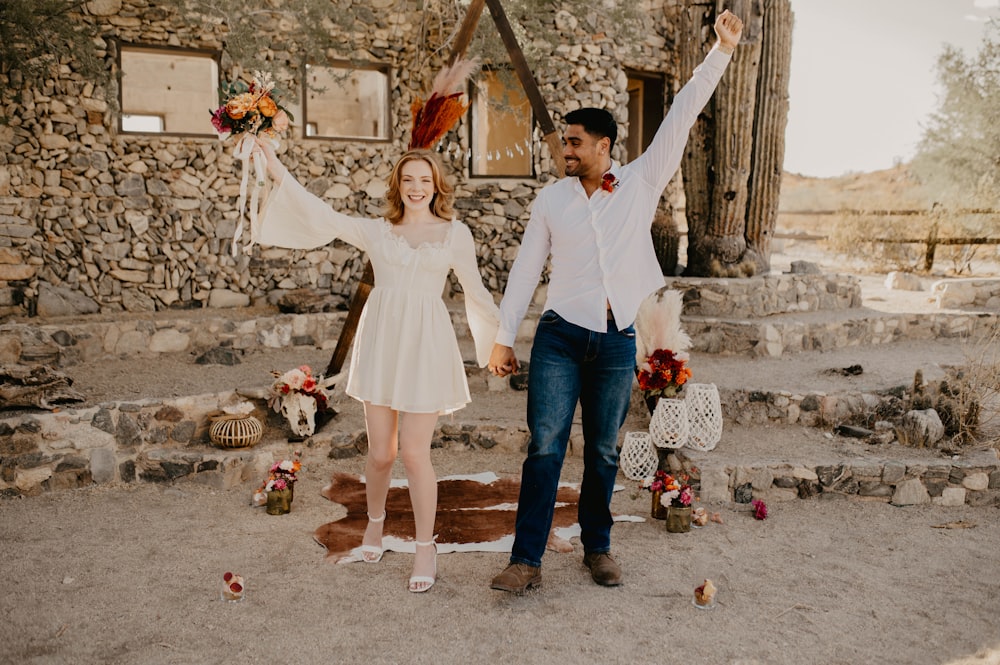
column 267, row 107
column 239, row 106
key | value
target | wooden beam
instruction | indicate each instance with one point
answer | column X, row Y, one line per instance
column 351, row 322
column 529, row 84
column 465, row 34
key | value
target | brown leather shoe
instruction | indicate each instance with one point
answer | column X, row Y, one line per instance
column 603, row 568
column 517, row 578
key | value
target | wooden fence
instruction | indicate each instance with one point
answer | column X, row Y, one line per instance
column 932, row 240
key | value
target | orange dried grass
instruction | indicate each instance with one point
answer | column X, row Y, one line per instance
column 435, row 117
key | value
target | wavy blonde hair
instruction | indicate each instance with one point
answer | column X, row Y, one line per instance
column 444, row 193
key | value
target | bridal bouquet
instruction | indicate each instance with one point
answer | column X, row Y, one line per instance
column 249, row 111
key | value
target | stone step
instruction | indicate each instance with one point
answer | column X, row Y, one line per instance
column 165, row 441
column 784, row 334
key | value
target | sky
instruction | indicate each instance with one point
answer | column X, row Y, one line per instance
column 863, row 81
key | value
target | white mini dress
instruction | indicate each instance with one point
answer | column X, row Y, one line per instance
column 405, row 354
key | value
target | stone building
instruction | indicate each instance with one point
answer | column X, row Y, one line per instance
column 125, row 200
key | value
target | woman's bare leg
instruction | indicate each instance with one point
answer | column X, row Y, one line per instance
column 381, row 423
column 415, row 433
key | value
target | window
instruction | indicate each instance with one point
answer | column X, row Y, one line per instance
column 347, row 102
column 147, row 124
column 645, row 111
column 168, row 91
column 501, row 142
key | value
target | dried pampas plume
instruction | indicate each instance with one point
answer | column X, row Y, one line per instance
column 658, row 325
column 445, row 105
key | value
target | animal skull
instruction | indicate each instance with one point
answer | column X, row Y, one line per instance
column 299, row 410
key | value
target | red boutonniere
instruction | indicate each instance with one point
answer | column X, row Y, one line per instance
column 609, row 182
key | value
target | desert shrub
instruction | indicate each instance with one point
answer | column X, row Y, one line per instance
column 855, row 235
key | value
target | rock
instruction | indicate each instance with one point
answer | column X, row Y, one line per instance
column 223, row 298
column 804, row 268
column 976, row 481
column 715, row 485
column 303, row 301
column 219, row 356
column 169, row 340
column 38, row 386
column 16, row 273
column 910, row 493
column 10, row 350
column 951, row 496
column 56, row 301
column 903, row 281
column 853, row 431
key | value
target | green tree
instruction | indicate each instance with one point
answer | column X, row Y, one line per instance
column 958, row 157
column 37, row 35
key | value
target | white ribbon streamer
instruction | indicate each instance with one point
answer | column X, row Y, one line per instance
column 248, row 152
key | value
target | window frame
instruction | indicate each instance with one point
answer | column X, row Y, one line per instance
column 648, row 130
column 383, row 67
column 212, row 54
column 472, row 121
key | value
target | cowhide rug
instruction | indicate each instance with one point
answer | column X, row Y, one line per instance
column 475, row 514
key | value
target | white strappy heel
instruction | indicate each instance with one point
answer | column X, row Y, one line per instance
column 377, row 552
column 424, row 579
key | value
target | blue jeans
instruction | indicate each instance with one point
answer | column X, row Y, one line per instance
column 571, row 364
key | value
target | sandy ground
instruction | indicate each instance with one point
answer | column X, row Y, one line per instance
column 131, row 574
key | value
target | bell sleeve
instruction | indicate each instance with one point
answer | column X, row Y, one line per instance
column 480, row 309
column 296, row 219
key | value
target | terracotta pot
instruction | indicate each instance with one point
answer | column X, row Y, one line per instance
column 679, row 519
column 658, row 510
column 279, row 502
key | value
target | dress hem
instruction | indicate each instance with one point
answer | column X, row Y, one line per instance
column 443, row 411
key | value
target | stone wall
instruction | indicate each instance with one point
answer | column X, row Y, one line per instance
column 92, row 220
column 970, row 293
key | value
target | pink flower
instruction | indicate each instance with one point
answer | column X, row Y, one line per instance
column 219, row 120
column 280, row 121
column 759, row 509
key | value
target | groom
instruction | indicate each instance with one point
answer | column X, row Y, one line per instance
column 595, row 224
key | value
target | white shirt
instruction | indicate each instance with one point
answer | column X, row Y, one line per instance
column 601, row 247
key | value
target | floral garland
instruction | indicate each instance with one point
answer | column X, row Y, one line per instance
column 298, row 380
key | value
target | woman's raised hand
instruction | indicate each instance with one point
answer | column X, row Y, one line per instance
column 275, row 169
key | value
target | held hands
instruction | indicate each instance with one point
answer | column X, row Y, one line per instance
column 502, row 361
column 728, row 28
